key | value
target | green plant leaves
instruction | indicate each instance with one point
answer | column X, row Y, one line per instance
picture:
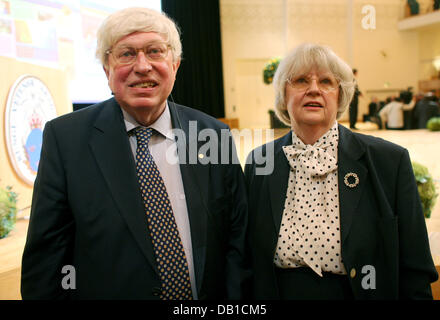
column 426, row 188
column 433, row 124
column 270, row 69
column 8, row 210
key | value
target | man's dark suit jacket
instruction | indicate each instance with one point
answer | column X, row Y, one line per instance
column 382, row 223
column 87, row 212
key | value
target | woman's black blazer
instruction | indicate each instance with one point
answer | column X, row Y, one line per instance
column 382, row 223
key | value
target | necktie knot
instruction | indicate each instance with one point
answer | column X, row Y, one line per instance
column 143, row 135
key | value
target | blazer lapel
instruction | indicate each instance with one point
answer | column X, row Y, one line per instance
column 349, row 153
column 110, row 146
column 278, row 180
column 195, row 177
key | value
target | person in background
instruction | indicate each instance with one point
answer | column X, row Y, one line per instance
column 409, row 102
column 114, row 201
column 417, row 98
column 392, row 114
column 340, row 215
column 373, row 109
column 353, row 110
column 427, row 108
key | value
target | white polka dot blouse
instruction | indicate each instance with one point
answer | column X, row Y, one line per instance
column 310, row 228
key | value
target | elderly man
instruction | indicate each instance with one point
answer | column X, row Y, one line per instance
column 116, row 213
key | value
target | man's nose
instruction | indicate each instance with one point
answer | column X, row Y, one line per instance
column 142, row 64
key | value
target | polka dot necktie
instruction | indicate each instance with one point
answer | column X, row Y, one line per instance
column 168, row 248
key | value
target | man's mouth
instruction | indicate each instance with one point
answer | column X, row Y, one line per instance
column 146, row 84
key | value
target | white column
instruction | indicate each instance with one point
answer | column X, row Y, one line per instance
column 286, row 25
column 350, row 32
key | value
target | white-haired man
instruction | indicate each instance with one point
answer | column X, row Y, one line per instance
column 112, row 204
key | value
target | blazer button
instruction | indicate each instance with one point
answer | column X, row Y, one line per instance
column 353, row 273
column 156, row 291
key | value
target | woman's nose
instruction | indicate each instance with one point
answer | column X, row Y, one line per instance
column 313, row 88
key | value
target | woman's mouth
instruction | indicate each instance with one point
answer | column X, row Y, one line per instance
column 313, row 104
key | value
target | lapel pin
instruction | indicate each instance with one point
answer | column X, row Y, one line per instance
column 354, row 177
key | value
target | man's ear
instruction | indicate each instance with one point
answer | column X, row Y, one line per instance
column 106, row 71
column 176, row 66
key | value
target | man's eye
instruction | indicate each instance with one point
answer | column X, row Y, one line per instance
column 155, row 51
column 326, row 81
column 127, row 53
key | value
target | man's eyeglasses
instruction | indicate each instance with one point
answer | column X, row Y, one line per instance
column 157, row 51
column 302, row 83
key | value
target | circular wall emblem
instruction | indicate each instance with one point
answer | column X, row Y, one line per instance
column 29, row 106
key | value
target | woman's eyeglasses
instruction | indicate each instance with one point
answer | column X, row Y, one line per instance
column 303, row 83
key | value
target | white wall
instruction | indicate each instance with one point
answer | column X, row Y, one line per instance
column 429, row 46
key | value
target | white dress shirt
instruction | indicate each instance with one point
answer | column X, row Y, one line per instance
column 163, row 148
column 393, row 113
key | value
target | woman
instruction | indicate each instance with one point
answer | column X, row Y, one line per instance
column 340, row 216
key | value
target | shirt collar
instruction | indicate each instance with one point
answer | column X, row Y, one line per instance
column 330, row 138
column 162, row 124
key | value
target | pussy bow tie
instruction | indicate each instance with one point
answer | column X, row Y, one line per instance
column 311, row 159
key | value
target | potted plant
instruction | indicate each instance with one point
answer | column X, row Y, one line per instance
column 413, row 7
column 8, row 210
column 426, row 187
column 268, row 73
column 433, row 124
column 269, row 70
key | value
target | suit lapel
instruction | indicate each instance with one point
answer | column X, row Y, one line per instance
column 278, row 180
column 110, row 146
column 195, row 177
column 349, row 153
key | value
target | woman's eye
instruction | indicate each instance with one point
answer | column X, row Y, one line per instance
column 301, row 80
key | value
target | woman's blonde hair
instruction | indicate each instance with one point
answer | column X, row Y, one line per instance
column 300, row 61
column 127, row 21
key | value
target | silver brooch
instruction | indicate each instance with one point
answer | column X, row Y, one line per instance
column 356, row 180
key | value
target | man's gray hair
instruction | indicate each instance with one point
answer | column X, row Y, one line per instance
column 130, row 20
